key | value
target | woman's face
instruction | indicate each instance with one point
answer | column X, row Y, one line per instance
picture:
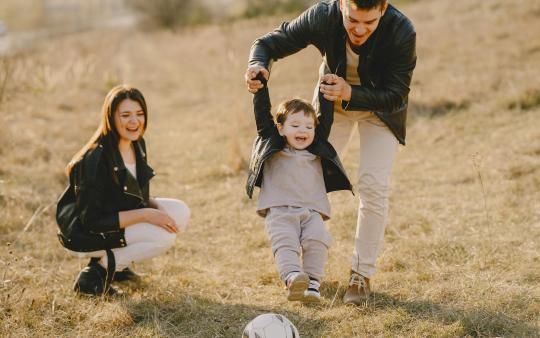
column 129, row 120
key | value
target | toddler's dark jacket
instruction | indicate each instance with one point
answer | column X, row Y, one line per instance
column 269, row 142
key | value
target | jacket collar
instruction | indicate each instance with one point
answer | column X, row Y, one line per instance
column 129, row 184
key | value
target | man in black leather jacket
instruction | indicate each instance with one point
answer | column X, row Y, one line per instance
column 368, row 50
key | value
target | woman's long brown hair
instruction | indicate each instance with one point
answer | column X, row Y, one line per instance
column 107, row 125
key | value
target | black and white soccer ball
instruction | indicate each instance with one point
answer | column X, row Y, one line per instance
column 270, row 325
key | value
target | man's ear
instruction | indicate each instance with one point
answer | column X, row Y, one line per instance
column 279, row 128
column 342, row 6
column 385, row 6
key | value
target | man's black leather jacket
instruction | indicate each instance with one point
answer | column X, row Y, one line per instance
column 269, row 142
column 387, row 58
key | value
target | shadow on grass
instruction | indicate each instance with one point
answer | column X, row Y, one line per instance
column 476, row 322
column 194, row 316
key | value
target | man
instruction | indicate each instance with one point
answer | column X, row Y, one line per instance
column 368, row 50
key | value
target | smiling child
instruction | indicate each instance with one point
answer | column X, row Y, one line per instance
column 295, row 166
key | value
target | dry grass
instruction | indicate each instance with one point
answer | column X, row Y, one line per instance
column 461, row 256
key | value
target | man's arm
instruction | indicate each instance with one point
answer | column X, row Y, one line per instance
column 288, row 39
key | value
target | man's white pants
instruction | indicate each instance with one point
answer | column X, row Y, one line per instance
column 377, row 152
column 145, row 240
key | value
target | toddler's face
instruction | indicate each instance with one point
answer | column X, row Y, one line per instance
column 298, row 129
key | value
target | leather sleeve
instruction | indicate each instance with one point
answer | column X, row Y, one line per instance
column 390, row 95
column 326, row 116
column 94, row 217
column 263, row 110
column 290, row 37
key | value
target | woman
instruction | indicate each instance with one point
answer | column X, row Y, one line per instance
column 106, row 213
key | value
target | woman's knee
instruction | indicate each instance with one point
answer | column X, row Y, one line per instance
column 177, row 209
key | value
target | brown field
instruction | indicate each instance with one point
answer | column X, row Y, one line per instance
column 462, row 252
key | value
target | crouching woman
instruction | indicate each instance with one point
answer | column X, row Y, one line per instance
column 106, row 213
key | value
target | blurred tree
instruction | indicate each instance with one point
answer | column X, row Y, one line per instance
column 170, row 13
column 256, row 8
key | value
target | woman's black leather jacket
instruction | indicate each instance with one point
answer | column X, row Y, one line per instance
column 100, row 186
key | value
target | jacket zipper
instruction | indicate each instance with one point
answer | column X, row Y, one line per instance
column 139, row 197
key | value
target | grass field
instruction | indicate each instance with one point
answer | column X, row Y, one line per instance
column 462, row 251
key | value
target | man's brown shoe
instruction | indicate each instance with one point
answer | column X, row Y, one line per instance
column 358, row 290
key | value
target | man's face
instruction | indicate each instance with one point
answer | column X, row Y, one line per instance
column 360, row 23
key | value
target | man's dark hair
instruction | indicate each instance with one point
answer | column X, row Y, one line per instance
column 367, row 4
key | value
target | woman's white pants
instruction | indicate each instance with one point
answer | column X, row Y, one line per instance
column 145, row 240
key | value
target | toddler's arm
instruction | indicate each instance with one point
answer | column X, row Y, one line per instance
column 263, row 110
column 326, row 117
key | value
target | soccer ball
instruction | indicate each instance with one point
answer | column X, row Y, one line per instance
column 270, row 325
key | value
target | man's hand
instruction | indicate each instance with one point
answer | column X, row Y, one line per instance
column 251, row 72
column 335, row 88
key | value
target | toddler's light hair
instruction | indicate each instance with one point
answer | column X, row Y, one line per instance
column 292, row 106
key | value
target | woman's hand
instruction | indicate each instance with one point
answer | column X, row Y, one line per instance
column 335, row 88
column 160, row 218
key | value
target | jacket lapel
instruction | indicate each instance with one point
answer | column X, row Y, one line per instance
column 130, row 185
column 144, row 171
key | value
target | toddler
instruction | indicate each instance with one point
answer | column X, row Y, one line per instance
column 295, row 166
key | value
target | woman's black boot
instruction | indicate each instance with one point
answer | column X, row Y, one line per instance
column 126, row 275
column 94, row 280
